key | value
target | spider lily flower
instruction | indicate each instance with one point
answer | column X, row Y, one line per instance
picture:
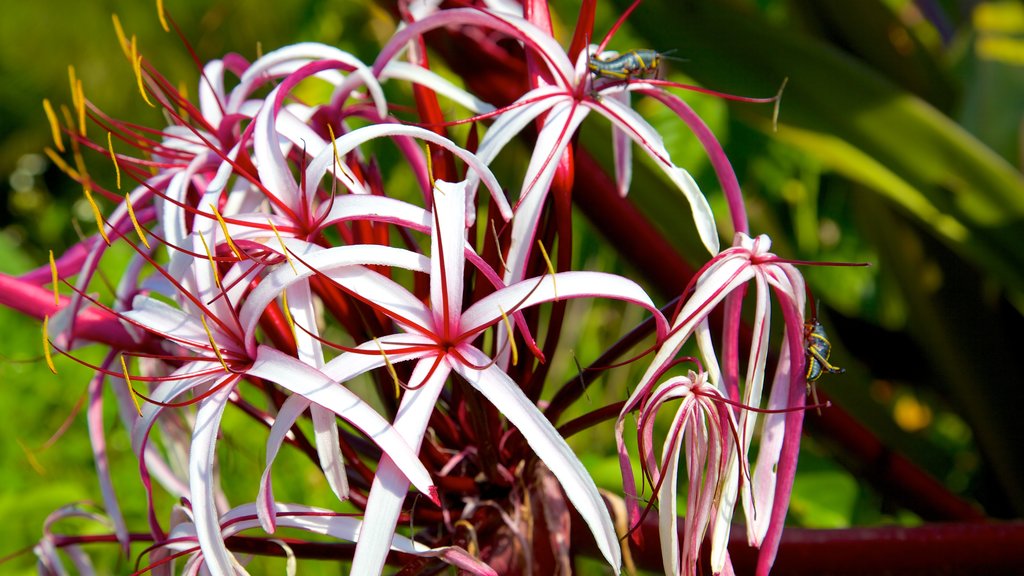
column 561, row 104
column 705, row 426
column 765, row 495
column 440, row 339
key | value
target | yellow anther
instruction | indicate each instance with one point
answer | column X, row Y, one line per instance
column 287, row 311
column 117, row 169
column 511, row 337
column 284, row 249
column 46, row 344
column 430, row 165
column 96, row 214
column 61, row 164
column 213, row 263
column 390, row 367
column 135, row 221
column 80, row 107
column 213, row 344
column 51, row 117
column 56, row 280
column 551, row 268
column 160, row 14
column 224, row 228
column 122, row 39
column 137, row 68
column 131, row 389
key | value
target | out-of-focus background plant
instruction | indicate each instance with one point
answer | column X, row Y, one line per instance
column 900, row 143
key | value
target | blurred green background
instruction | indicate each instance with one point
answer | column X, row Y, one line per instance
column 899, row 144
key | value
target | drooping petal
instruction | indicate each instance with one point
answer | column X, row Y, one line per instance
column 201, row 481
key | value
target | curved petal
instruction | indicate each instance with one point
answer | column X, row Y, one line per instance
column 650, row 141
column 201, row 459
column 489, row 309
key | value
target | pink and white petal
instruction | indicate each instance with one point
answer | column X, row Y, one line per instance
column 310, row 351
column 212, row 97
column 379, row 209
column 98, row 443
column 650, row 141
column 505, row 394
column 390, row 486
column 489, row 310
column 428, row 78
column 759, row 501
column 447, row 255
column 622, row 147
column 274, row 171
column 300, row 378
column 202, row 455
column 560, row 125
column 286, row 416
column 548, row 49
column 668, row 510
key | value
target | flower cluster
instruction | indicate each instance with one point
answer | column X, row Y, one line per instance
column 273, row 263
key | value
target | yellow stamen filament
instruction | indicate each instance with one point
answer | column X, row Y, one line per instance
column 122, row 39
column 117, row 169
column 213, row 344
column 161, row 15
column 61, row 164
column 46, row 344
column 135, row 221
column 131, row 389
column 213, row 263
column 511, row 337
column 224, row 228
column 551, row 268
column 56, row 280
column 51, row 117
column 137, row 68
column 96, row 214
column 390, row 367
column 284, row 249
